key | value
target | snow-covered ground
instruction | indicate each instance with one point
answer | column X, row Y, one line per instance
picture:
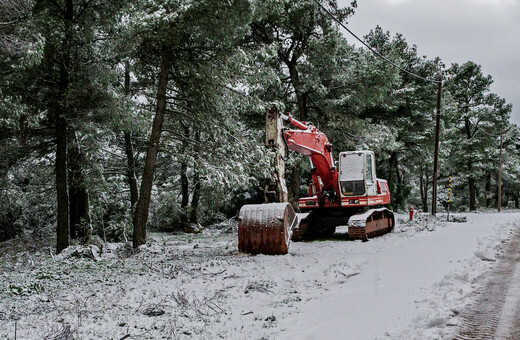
column 409, row 284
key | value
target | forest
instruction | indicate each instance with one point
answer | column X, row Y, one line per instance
column 121, row 117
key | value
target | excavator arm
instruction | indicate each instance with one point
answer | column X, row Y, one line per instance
column 306, row 139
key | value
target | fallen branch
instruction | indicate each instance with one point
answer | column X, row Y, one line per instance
column 214, row 274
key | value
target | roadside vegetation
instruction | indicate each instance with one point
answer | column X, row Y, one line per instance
column 124, row 116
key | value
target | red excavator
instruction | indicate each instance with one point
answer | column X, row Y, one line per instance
column 346, row 192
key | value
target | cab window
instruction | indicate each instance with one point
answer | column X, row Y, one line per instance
column 352, row 188
column 369, row 168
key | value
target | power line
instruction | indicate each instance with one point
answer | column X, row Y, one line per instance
column 497, row 135
column 373, row 50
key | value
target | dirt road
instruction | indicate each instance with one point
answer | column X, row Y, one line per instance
column 496, row 313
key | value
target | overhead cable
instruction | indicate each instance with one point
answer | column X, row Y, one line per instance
column 373, row 50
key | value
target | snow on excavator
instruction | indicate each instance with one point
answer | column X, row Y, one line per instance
column 342, row 193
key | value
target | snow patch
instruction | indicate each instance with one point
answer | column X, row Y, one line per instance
column 409, row 284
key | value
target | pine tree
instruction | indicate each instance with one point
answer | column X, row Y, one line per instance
column 169, row 34
column 70, row 88
column 478, row 114
column 306, row 51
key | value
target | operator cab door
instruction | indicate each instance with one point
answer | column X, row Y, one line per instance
column 357, row 173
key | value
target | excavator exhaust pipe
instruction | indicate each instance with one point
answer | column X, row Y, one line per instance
column 266, row 228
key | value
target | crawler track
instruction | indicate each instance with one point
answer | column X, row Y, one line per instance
column 495, row 313
column 372, row 223
column 359, row 233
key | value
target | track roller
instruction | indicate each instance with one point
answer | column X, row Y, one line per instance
column 266, row 228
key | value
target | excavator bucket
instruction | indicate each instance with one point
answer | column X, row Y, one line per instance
column 371, row 223
column 266, row 228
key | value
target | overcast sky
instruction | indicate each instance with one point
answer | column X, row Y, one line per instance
column 484, row 31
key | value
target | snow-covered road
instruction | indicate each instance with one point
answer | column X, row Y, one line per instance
column 496, row 312
column 416, row 281
column 410, row 284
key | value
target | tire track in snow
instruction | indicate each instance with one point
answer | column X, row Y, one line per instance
column 495, row 314
column 509, row 326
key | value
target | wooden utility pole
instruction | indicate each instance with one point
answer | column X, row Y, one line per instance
column 436, row 156
column 499, row 198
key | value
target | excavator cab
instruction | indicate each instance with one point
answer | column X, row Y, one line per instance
column 357, row 173
column 358, row 184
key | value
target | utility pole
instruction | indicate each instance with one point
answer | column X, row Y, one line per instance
column 436, row 156
column 499, row 198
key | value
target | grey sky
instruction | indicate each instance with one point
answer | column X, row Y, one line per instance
column 484, row 31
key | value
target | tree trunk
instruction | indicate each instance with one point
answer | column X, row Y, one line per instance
column 399, row 177
column 488, row 189
column 195, row 198
column 185, row 198
column 294, row 188
column 62, row 227
column 421, row 187
column 472, row 203
column 130, row 170
column 471, row 180
column 298, row 90
column 424, row 189
column 196, row 182
column 427, row 187
column 129, row 150
column 294, row 193
column 472, row 193
column 517, row 202
column 394, row 187
column 79, row 209
column 143, row 203
column 185, row 189
column 390, row 176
